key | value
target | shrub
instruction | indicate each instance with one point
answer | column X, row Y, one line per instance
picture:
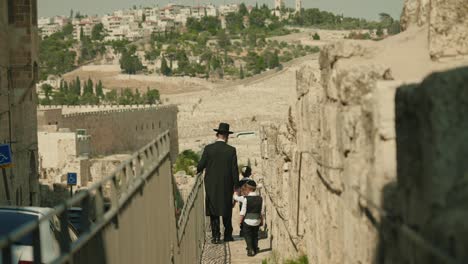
column 186, row 160
column 316, row 36
column 300, row 260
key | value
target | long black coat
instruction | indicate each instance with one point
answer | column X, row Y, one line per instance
column 219, row 160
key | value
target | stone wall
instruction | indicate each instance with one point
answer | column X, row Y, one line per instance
column 448, row 30
column 338, row 146
column 191, row 129
column 119, row 130
column 18, row 123
column 432, row 142
column 447, row 22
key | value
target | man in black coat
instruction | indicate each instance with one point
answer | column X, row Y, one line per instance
column 219, row 160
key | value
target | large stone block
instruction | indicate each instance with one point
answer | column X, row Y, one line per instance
column 432, row 147
column 448, row 31
column 415, row 12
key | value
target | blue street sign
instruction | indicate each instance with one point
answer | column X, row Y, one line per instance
column 72, row 178
column 5, row 155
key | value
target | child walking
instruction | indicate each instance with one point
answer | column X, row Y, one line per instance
column 246, row 172
column 251, row 216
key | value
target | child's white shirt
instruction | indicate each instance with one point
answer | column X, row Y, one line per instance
column 238, row 198
column 250, row 222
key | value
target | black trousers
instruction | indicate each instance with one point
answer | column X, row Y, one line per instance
column 241, row 224
column 251, row 236
column 216, row 229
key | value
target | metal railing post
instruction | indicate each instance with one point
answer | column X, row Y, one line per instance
column 64, row 234
column 36, row 237
column 6, row 255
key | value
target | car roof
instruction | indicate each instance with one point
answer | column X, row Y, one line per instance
column 27, row 209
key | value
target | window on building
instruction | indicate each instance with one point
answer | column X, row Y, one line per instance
column 34, row 12
column 11, row 13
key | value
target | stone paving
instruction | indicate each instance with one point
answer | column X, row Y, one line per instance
column 233, row 252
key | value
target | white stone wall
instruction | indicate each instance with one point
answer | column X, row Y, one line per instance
column 55, row 148
column 119, row 130
column 338, row 144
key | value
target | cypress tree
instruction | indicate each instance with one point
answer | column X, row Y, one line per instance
column 77, row 88
column 88, row 89
column 99, row 89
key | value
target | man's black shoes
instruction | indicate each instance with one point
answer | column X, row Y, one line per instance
column 228, row 239
column 216, row 240
column 250, row 252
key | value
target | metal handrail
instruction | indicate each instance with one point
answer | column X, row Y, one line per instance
column 185, row 213
column 124, row 183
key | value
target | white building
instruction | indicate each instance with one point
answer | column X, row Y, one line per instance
column 211, row 10
column 41, row 22
column 298, row 6
column 49, row 29
column 86, row 24
column 279, row 4
column 226, row 9
column 50, row 25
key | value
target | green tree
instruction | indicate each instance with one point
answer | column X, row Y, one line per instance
column 243, row 10
column 97, row 32
column 47, row 90
column 77, row 86
column 88, row 87
column 186, row 161
column 223, row 40
column 130, row 62
column 137, row 98
column 112, row 97
column 126, row 97
column 68, row 30
column 385, row 20
column 66, row 90
column 379, row 32
column 235, row 22
column 99, row 89
column 151, row 96
column 316, row 36
column 183, row 62
column 165, row 70
column 55, row 54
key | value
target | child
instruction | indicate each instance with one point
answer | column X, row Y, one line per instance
column 246, row 172
column 251, row 216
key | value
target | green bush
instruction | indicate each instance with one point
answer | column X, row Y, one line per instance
column 316, row 36
column 301, row 260
column 187, row 159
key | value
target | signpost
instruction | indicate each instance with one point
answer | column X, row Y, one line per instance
column 5, row 162
column 72, row 179
column 5, row 155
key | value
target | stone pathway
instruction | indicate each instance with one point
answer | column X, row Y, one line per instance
column 233, row 252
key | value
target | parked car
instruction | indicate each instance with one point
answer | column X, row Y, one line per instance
column 74, row 216
column 12, row 218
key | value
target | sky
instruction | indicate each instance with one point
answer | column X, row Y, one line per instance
column 355, row 8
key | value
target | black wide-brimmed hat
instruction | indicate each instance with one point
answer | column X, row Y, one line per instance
column 223, row 129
